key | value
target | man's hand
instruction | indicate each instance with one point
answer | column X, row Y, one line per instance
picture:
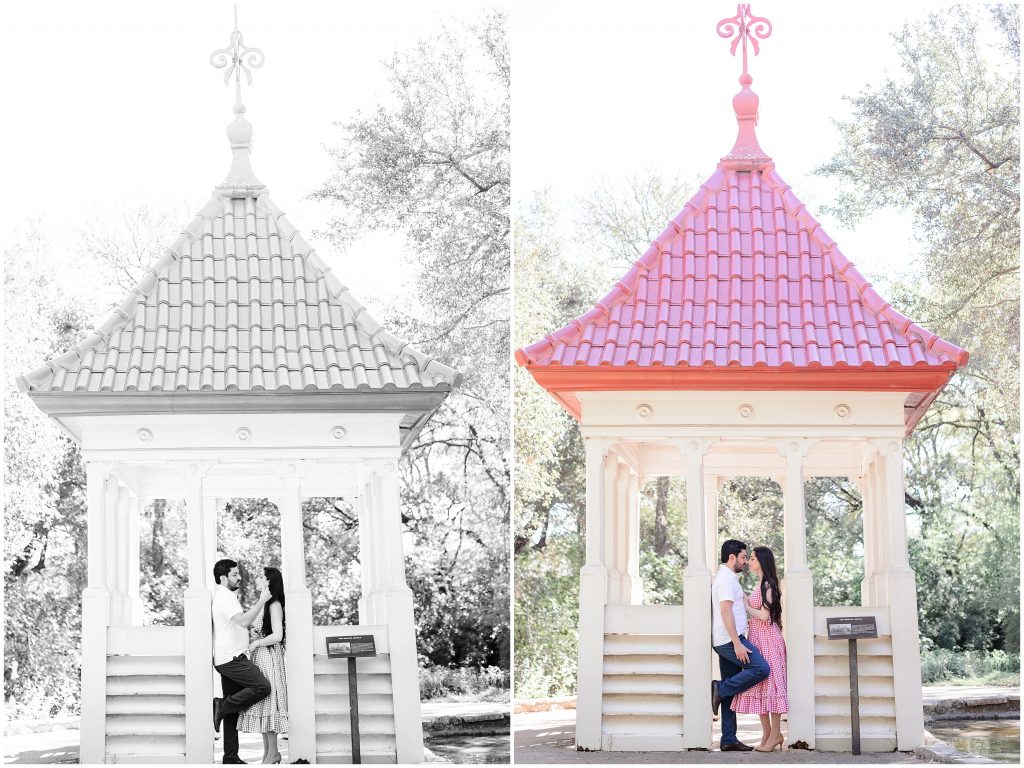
column 741, row 652
column 265, row 595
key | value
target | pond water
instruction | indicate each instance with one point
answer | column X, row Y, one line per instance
column 472, row 749
column 995, row 739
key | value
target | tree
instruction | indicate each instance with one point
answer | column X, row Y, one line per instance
column 432, row 163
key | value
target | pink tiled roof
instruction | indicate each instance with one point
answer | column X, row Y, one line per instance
column 743, row 277
column 239, row 303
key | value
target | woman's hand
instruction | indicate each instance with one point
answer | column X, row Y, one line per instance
column 253, row 645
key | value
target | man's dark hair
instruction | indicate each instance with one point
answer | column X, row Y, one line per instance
column 223, row 567
column 732, row 547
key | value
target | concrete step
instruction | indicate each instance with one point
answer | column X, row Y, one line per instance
column 379, row 665
column 369, row 704
column 145, row 665
column 839, row 706
column 366, row 683
column 646, row 664
column 643, row 743
column 155, row 685
column 652, row 725
column 340, row 744
column 146, row 725
column 839, row 725
column 147, row 705
column 145, row 759
column 123, row 745
column 876, row 686
column 617, row 645
column 671, row 685
column 845, row 744
column 641, row 705
column 344, row 758
column 369, row 725
column 839, row 666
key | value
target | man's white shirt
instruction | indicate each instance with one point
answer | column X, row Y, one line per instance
column 726, row 587
column 229, row 639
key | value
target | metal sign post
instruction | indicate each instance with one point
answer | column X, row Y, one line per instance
column 852, row 628
column 352, row 647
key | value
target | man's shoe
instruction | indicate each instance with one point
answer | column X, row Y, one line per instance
column 218, row 714
column 716, row 700
column 737, row 747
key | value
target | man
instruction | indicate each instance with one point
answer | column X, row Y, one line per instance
column 242, row 681
column 741, row 664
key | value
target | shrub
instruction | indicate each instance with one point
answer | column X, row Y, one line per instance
column 940, row 665
column 464, row 683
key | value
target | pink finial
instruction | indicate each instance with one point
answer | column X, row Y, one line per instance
column 746, row 154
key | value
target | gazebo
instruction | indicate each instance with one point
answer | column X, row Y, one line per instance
column 241, row 367
column 742, row 343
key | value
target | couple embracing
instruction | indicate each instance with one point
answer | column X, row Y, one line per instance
column 248, row 653
column 751, row 653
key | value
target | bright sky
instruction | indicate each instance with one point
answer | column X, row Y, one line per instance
column 615, row 88
column 113, row 102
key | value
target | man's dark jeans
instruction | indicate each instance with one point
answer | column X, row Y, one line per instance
column 243, row 685
column 737, row 677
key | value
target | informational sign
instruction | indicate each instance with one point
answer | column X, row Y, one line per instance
column 851, row 627
column 350, row 646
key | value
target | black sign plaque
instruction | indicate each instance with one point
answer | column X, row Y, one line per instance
column 350, row 646
column 851, row 627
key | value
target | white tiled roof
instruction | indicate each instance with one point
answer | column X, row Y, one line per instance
column 240, row 302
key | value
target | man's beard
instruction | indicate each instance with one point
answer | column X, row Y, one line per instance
column 234, row 588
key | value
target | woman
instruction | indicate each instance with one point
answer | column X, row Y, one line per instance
column 764, row 606
column 269, row 716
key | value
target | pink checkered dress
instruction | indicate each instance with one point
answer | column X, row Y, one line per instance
column 770, row 694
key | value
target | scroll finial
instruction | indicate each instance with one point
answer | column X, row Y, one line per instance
column 746, row 154
column 746, row 26
column 242, row 59
column 241, row 180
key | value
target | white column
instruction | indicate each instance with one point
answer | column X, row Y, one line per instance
column 712, row 485
column 901, row 585
column 299, row 648
column 363, row 512
column 618, row 528
column 798, row 598
column 114, row 552
column 636, row 584
column 696, row 603
column 593, row 598
column 134, row 576
column 211, row 507
column 397, row 605
column 883, row 552
column 95, row 619
column 198, row 625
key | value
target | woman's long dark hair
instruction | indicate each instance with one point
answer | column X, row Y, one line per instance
column 770, row 580
column 275, row 583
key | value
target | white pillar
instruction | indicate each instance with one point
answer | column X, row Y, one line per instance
column 95, row 619
column 636, row 584
column 798, row 598
column 397, row 604
column 593, row 598
column 883, row 552
column 114, row 553
column 619, row 588
column 902, row 594
column 712, row 485
column 211, row 506
column 198, row 626
column 363, row 511
column 696, row 604
column 867, row 597
column 134, row 576
column 299, row 648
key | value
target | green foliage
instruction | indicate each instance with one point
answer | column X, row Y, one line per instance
column 942, row 666
column 464, row 684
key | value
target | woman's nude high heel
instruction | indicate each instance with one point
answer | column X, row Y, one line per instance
column 771, row 745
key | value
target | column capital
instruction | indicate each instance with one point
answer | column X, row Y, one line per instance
column 887, row 446
column 197, row 469
column 694, row 446
column 594, row 445
column 793, row 446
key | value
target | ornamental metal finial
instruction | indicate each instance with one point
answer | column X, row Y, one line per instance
column 746, row 26
column 242, row 59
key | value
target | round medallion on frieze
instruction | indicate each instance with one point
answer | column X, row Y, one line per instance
column 843, row 411
column 745, row 411
column 338, row 432
column 644, row 411
column 243, row 434
column 389, row 466
column 144, row 435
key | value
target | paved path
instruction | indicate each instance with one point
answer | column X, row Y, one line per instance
column 61, row 745
column 548, row 737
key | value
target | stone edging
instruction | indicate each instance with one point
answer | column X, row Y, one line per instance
column 544, row 705
column 941, row 752
column 973, row 707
